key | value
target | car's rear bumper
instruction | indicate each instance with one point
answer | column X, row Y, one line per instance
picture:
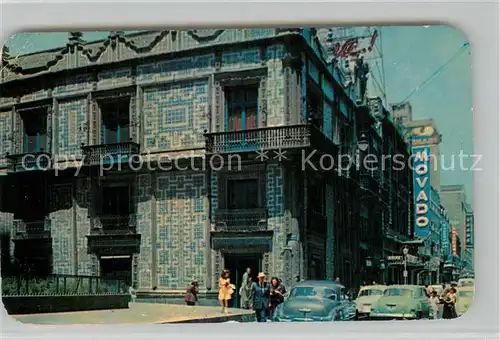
column 391, row 316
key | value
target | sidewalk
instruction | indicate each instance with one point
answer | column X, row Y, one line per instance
column 140, row 313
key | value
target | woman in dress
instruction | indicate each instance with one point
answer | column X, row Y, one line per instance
column 450, row 299
column 277, row 295
column 225, row 291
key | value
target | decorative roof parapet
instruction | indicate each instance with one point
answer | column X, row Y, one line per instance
column 135, row 45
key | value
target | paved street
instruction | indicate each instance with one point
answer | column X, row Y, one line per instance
column 139, row 313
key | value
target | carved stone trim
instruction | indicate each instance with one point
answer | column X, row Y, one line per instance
column 238, row 78
column 263, row 102
column 219, row 111
column 17, row 133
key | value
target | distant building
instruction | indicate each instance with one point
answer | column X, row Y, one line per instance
column 402, row 113
column 454, row 199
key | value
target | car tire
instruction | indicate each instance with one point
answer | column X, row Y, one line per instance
column 419, row 315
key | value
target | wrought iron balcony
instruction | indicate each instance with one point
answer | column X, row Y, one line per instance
column 241, row 220
column 116, row 244
column 31, row 161
column 24, row 230
column 269, row 138
column 114, row 225
column 107, row 154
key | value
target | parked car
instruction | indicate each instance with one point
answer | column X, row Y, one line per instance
column 318, row 300
column 438, row 289
column 466, row 282
column 465, row 295
column 367, row 296
column 401, row 302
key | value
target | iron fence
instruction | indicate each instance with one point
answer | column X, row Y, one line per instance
column 59, row 284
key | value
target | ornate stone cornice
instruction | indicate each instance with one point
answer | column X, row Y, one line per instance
column 136, row 45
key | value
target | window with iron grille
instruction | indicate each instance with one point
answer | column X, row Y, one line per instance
column 35, row 130
column 241, row 108
column 115, row 121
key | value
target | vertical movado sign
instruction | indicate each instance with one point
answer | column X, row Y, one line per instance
column 422, row 189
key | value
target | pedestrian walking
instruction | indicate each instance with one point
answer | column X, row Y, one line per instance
column 246, row 289
column 260, row 298
column 132, row 293
column 434, row 306
column 277, row 295
column 449, row 311
column 428, row 291
column 337, row 280
column 191, row 296
column 225, row 291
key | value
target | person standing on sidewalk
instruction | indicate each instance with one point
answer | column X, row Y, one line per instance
column 192, row 293
column 434, row 306
column 246, row 289
column 277, row 295
column 260, row 298
column 225, row 291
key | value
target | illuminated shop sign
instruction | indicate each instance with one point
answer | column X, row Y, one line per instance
column 422, row 190
column 454, row 241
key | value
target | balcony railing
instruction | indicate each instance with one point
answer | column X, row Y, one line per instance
column 270, row 138
column 114, row 244
column 35, row 161
column 107, row 154
column 31, row 229
column 114, row 225
column 241, row 220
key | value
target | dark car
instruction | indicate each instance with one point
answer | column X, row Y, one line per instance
column 320, row 300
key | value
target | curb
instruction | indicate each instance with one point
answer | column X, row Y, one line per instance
column 214, row 319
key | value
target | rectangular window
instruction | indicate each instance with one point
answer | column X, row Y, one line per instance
column 115, row 201
column 242, row 108
column 115, row 121
column 315, row 105
column 35, row 130
column 243, row 194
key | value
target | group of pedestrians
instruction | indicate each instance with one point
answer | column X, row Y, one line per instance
column 442, row 306
column 262, row 297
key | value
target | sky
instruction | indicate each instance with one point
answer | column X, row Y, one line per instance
column 411, row 54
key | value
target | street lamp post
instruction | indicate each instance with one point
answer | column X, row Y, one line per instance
column 405, row 273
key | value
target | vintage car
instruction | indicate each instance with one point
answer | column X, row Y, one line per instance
column 316, row 300
column 438, row 289
column 465, row 295
column 466, row 282
column 367, row 296
column 401, row 302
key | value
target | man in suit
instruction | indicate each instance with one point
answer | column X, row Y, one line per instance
column 260, row 298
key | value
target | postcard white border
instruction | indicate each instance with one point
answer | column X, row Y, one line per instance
column 479, row 21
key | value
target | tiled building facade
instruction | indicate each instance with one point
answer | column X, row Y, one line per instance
column 190, row 99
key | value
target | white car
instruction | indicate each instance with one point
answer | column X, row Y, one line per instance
column 438, row 289
column 367, row 296
column 465, row 295
column 466, row 282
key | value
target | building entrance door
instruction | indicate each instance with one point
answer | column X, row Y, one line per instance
column 237, row 265
column 117, row 268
